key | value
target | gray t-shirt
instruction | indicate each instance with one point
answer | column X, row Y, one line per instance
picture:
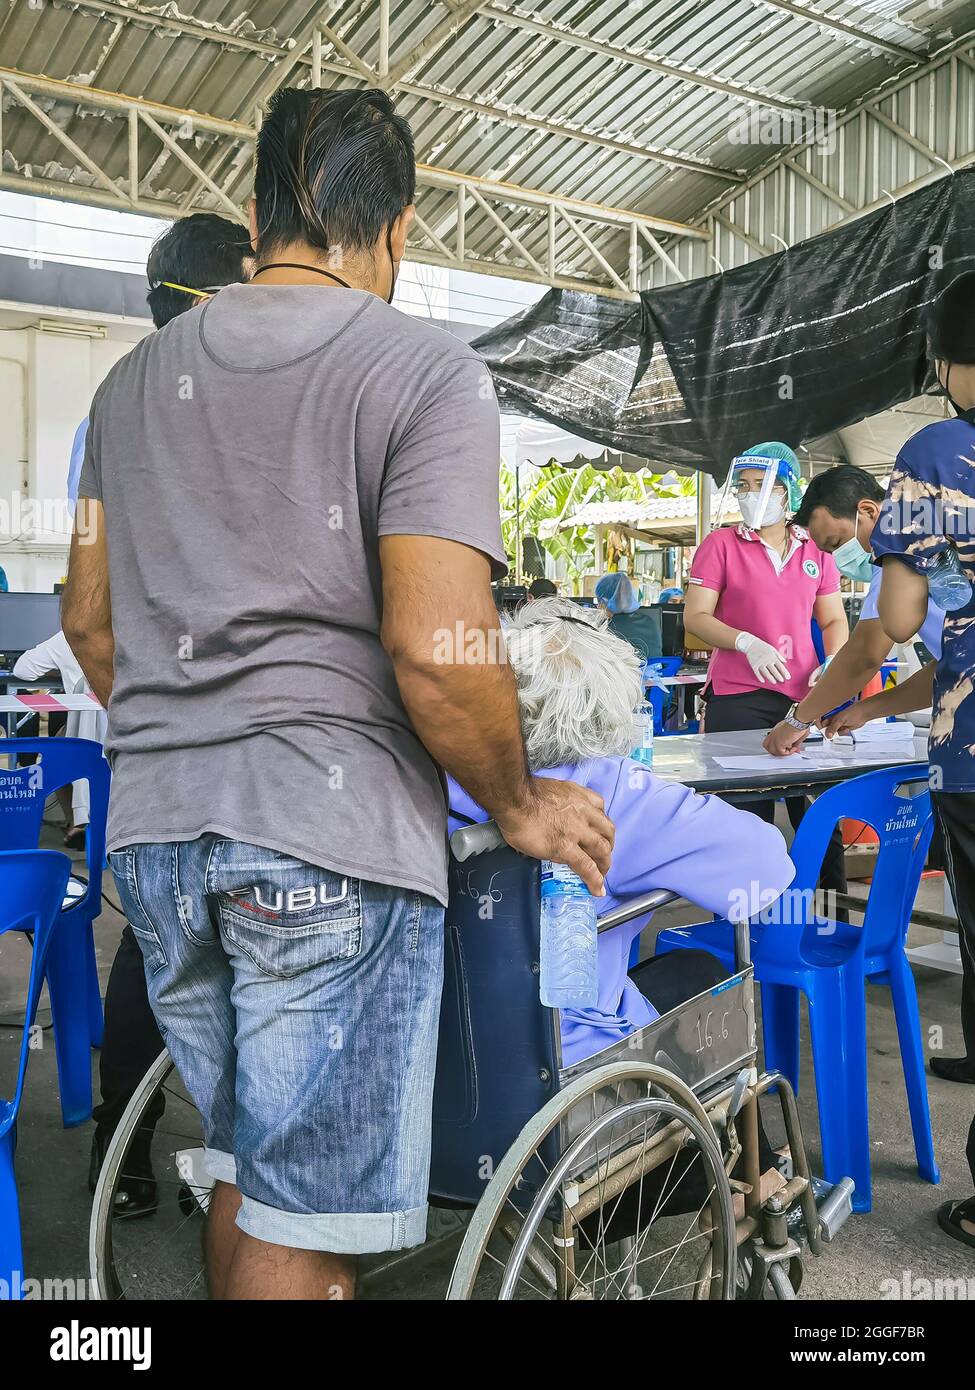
column 249, row 456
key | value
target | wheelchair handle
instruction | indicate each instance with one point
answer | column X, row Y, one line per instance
column 469, row 840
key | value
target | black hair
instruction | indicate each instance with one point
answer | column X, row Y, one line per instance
column 840, row 490
column 542, row 588
column 334, row 169
column 202, row 252
column 951, row 321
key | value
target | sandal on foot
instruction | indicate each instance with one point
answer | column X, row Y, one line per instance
column 950, row 1217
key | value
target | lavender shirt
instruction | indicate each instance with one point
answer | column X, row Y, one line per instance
column 725, row 860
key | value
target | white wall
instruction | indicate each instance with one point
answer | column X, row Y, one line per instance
column 46, row 384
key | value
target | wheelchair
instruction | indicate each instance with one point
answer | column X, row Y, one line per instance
column 633, row 1174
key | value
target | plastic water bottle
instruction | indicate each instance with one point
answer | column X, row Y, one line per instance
column 948, row 584
column 643, row 735
column 569, row 962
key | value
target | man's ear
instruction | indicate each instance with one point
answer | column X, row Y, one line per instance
column 252, row 222
column 870, row 509
column 400, row 231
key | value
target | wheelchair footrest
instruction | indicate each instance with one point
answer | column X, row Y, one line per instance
column 835, row 1208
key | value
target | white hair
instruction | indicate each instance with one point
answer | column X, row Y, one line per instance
column 578, row 683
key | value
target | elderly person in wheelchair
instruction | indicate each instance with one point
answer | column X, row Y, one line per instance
column 578, row 687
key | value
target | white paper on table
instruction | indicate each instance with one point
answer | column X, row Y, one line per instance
column 766, row 762
column 879, row 731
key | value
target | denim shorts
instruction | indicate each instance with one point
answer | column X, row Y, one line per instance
column 301, row 1009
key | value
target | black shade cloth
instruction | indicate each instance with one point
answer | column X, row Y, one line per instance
column 790, row 347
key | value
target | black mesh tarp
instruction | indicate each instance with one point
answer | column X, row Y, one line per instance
column 790, row 347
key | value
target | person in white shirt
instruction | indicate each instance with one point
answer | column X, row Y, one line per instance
column 45, row 659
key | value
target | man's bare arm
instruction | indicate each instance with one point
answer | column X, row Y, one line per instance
column 903, row 601
column 86, row 606
column 916, row 692
column 440, row 628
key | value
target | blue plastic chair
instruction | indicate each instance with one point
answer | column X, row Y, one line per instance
column 796, row 951
column 658, row 698
column 32, row 884
column 72, row 973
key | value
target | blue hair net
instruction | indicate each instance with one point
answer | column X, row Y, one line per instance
column 615, row 592
column 787, row 466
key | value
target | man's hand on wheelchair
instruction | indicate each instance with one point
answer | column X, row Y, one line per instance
column 566, row 823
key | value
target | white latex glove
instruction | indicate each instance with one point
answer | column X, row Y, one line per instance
column 762, row 657
column 819, row 672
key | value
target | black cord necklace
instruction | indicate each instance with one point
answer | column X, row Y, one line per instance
column 296, row 265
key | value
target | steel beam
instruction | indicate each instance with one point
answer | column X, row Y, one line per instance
column 850, row 31
column 852, row 199
column 437, row 37
column 503, row 116
column 226, row 38
column 649, row 62
column 497, row 200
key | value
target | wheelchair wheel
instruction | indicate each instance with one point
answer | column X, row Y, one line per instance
column 160, row 1255
column 616, row 1189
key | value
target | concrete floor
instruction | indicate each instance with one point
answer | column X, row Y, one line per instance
column 899, row 1240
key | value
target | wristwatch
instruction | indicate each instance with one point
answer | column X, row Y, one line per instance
column 790, row 718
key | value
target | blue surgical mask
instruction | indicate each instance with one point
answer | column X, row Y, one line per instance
column 853, row 561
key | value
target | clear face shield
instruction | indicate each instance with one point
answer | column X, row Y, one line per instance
column 752, row 493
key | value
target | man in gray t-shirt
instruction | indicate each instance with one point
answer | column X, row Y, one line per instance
column 288, row 528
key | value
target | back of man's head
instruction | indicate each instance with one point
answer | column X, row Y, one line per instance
column 201, row 252
column 334, row 171
column 840, row 490
column 542, row 588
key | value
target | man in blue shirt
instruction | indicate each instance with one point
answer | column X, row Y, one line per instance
column 929, row 511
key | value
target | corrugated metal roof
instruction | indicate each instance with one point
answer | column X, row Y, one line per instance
column 518, row 93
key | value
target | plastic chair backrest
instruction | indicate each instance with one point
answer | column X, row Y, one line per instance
column 32, row 884
column 896, row 803
column 497, row 1060
column 662, row 666
column 24, row 791
column 657, row 697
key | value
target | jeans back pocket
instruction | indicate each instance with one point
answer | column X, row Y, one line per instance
column 288, row 916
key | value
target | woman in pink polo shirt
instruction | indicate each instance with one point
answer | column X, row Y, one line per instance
column 753, row 591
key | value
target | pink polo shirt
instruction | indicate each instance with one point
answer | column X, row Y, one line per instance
column 754, row 598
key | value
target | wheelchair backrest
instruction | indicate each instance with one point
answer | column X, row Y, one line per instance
column 497, row 1061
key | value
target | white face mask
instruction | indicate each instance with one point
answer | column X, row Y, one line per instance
column 754, row 515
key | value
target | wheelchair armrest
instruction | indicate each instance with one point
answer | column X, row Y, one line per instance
column 636, row 907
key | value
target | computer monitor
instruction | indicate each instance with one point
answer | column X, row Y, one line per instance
column 509, row 597
column 26, row 620
column 672, row 629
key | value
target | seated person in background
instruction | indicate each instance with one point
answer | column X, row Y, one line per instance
column 672, row 595
column 578, row 686
column 43, row 660
column 638, row 626
column 542, row 588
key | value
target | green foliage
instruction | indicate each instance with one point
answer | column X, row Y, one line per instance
column 553, row 493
